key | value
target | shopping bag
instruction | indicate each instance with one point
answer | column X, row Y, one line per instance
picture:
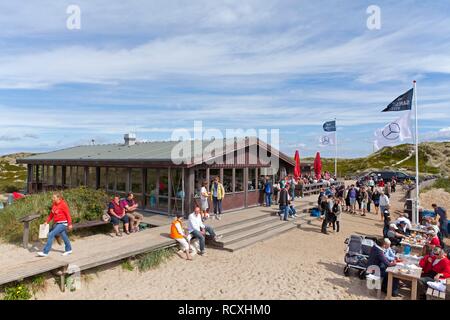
column 43, row 231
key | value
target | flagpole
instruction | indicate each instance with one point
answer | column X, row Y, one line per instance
column 416, row 218
column 336, row 150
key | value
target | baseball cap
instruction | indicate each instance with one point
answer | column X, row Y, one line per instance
column 393, row 225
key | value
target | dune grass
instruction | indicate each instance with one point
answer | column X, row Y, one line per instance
column 85, row 205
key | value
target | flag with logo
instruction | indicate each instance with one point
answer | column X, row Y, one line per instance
column 394, row 132
column 401, row 103
column 329, row 126
column 327, row 140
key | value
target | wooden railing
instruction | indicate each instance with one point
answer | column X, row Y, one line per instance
column 314, row 188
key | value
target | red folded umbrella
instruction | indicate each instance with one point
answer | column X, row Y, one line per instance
column 318, row 166
column 297, row 169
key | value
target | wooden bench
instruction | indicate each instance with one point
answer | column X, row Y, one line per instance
column 76, row 226
column 433, row 294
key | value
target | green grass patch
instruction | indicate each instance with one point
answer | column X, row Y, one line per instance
column 127, row 265
column 19, row 291
column 153, row 259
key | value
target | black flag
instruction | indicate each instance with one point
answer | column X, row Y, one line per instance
column 404, row 102
column 329, row 126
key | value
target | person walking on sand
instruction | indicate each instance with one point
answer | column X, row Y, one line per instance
column 177, row 233
column 217, row 194
column 62, row 222
column 384, row 204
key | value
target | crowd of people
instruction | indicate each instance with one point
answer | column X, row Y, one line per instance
column 434, row 256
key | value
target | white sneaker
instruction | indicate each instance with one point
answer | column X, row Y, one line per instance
column 67, row 253
column 41, row 254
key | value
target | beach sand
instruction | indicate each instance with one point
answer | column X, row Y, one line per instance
column 301, row 264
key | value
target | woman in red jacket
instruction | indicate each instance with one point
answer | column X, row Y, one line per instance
column 440, row 269
column 62, row 222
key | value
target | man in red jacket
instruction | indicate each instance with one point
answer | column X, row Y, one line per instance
column 62, row 222
column 440, row 269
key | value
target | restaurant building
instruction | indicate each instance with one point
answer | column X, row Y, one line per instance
column 161, row 181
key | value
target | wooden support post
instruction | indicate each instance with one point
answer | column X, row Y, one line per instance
column 26, row 234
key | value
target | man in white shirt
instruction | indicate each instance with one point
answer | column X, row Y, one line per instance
column 197, row 229
column 384, row 203
column 404, row 219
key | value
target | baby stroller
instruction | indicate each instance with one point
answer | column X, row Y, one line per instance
column 357, row 254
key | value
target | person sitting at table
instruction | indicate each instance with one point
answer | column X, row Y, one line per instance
column 440, row 270
column 433, row 239
column 395, row 236
column 426, row 263
column 388, row 251
column 403, row 217
column 378, row 258
column 402, row 228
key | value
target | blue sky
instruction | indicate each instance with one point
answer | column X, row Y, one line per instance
column 154, row 66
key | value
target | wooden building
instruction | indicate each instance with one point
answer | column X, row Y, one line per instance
column 161, row 182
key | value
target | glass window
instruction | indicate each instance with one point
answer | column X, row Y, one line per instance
column 239, row 180
column 163, row 182
column 251, row 179
column 92, row 177
column 228, row 180
column 111, row 179
column 58, row 175
column 136, row 180
column 213, row 173
column 122, row 176
column 67, row 182
column 176, row 182
column 50, row 175
column 80, row 176
column 163, row 203
column 152, row 191
column 103, row 178
column 200, row 176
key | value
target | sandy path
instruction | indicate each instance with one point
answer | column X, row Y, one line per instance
column 301, row 264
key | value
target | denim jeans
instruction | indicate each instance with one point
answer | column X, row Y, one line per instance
column 217, row 204
column 443, row 228
column 292, row 210
column 268, row 199
column 201, row 238
column 58, row 229
column 284, row 211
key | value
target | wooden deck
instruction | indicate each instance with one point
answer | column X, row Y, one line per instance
column 101, row 249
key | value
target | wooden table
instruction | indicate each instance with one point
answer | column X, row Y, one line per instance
column 418, row 230
column 414, row 276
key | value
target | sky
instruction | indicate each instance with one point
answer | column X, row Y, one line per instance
column 151, row 67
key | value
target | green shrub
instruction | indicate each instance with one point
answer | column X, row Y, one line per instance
column 17, row 292
column 154, row 259
column 85, row 205
column 127, row 265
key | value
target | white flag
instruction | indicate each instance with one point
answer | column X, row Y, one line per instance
column 394, row 132
column 327, row 140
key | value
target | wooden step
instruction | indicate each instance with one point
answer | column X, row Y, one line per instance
column 243, row 221
column 261, row 237
column 246, row 225
column 252, row 232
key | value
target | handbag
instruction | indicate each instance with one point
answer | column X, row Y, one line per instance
column 106, row 217
column 43, row 231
